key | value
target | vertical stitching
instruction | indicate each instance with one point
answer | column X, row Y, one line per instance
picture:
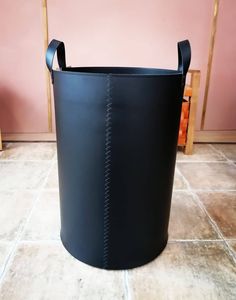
column 107, row 172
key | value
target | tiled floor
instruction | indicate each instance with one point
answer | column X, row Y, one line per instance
column 199, row 261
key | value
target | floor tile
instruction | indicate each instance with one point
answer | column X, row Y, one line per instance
column 229, row 150
column 44, row 223
column 187, row 220
column 190, row 271
column 5, row 248
column 221, row 206
column 47, row 271
column 28, row 151
column 209, row 175
column 43, row 269
column 179, row 183
column 201, row 152
column 22, row 175
column 52, row 181
column 15, row 208
column 233, row 245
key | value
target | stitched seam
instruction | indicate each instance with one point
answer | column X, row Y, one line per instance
column 107, row 173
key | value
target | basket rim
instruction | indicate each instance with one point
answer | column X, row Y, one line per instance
column 118, row 71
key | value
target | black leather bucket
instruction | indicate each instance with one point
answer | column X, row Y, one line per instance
column 117, row 132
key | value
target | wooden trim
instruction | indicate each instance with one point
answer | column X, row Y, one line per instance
column 187, row 91
column 0, row 140
column 205, row 136
column 48, row 78
column 29, row 137
column 194, row 83
column 193, row 71
column 212, row 136
column 209, row 64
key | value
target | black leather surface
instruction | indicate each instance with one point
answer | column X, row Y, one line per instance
column 117, row 132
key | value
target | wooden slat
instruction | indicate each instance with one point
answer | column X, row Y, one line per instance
column 0, row 140
column 48, row 79
column 210, row 58
column 195, row 82
column 183, row 124
column 187, row 91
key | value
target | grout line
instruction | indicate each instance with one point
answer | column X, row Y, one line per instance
column 179, row 190
column 195, row 240
column 22, row 228
column 218, row 151
column 212, row 222
column 15, row 190
column 26, row 160
column 184, row 179
column 170, row 240
column 205, row 190
column 202, row 161
column 39, row 241
column 197, row 190
column 54, row 189
column 230, row 250
column 22, row 241
column 214, row 190
column 126, row 283
column 177, row 169
column 215, row 226
column 33, row 190
column 231, row 162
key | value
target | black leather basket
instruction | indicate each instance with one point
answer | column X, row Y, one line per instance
column 117, row 131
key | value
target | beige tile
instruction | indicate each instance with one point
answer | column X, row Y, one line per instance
column 44, row 223
column 22, row 175
column 187, row 220
column 229, row 150
column 221, row 206
column 233, row 245
column 29, row 151
column 52, row 181
column 209, row 175
column 179, row 183
column 15, row 208
column 201, row 152
column 5, row 248
column 47, row 271
column 186, row 271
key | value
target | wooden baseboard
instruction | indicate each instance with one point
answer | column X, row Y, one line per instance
column 204, row 136
column 29, row 137
column 212, row 136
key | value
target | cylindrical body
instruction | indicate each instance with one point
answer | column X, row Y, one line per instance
column 117, row 132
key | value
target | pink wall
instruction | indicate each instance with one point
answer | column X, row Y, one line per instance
column 111, row 32
column 221, row 106
column 132, row 33
column 23, row 102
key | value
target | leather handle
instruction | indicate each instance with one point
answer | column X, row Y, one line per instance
column 184, row 56
column 53, row 47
